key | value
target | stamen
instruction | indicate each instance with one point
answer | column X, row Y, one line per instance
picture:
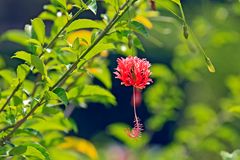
column 136, row 131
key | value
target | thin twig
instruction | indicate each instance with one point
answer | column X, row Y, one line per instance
column 11, row 95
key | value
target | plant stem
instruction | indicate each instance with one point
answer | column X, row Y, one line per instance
column 117, row 16
column 197, row 42
column 11, row 95
column 51, row 43
column 182, row 13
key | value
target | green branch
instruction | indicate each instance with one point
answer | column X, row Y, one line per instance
column 11, row 95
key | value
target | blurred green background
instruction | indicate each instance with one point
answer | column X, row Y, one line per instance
column 188, row 112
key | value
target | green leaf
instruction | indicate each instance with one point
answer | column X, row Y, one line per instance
column 92, row 5
column 18, row 150
column 92, row 90
column 47, row 16
column 74, row 125
column 23, row 55
column 75, row 92
column 29, row 131
column 60, row 92
column 60, row 3
column 22, row 71
column 38, row 64
column 176, row 1
column 103, row 74
column 96, row 50
column 50, row 110
column 41, row 149
column 16, row 36
column 50, row 8
column 99, row 48
column 52, row 123
column 84, row 23
column 34, row 42
column 51, row 96
column 76, row 44
column 98, row 94
column 137, row 43
column 8, row 75
column 138, row 27
column 17, row 100
column 39, row 28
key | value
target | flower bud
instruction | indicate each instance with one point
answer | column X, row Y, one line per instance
column 185, row 31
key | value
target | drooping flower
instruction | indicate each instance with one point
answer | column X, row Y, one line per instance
column 133, row 71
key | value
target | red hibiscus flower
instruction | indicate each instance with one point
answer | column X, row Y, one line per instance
column 133, row 71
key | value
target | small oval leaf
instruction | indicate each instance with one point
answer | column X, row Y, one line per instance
column 16, row 36
column 92, row 5
column 18, row 150
column 23, row 55
column 177, row 2
column 138, row 27
column 22, row 71
column 41, row 149
column 60, row 92
column 38, row 64
column 83, row 24
column 39, row 28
